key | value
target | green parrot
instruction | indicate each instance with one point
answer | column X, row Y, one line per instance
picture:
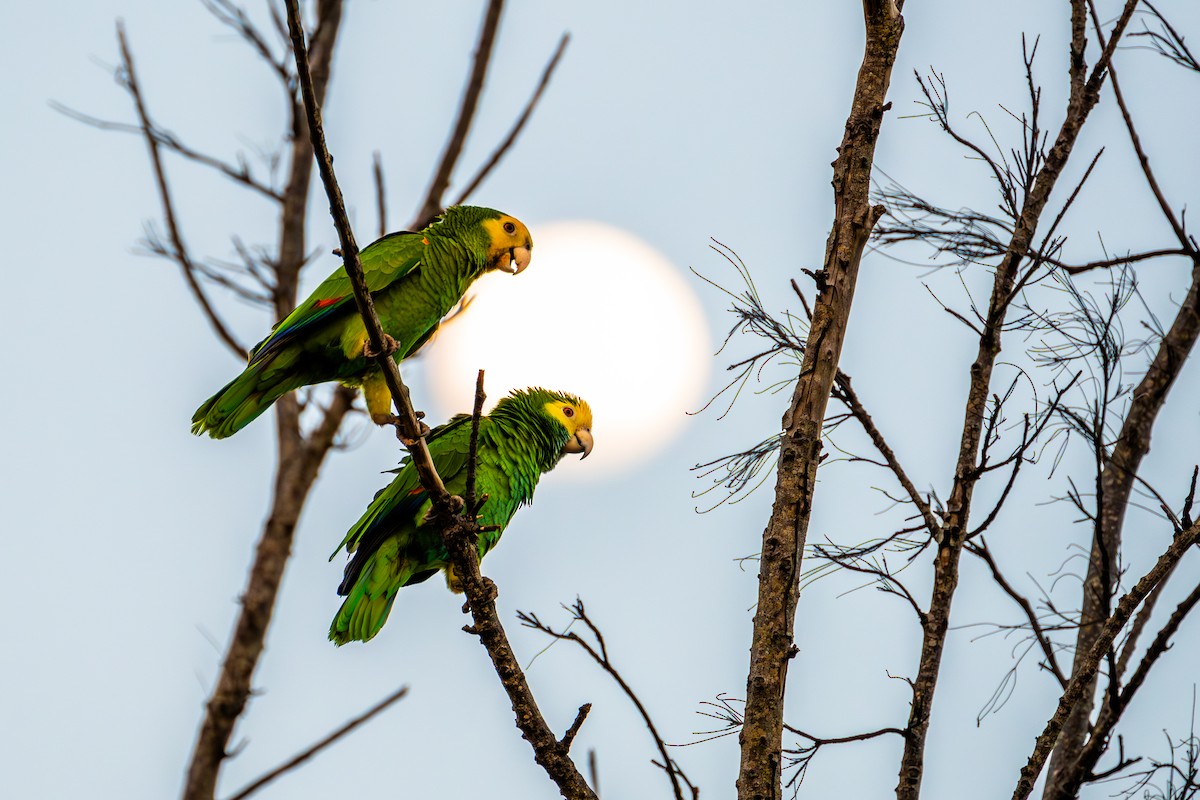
column 415, row 279
column 391, row 545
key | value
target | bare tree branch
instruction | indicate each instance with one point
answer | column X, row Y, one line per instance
column 317, row 747
column 1120, row 472
column 180, row 250
column 981, row 550
column 1043, row 174
column 1085, row 671
column 466, row 114
column 599, row 654
column 458, row 532
column 519, row 125
column 299, row 461
column 844, row 392
column 771, row 649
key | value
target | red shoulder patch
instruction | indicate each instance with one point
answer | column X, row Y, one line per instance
column 327, row 303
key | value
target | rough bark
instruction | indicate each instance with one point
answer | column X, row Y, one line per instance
column 800, row 451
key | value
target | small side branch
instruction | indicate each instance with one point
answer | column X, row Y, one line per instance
column 599, row 654
column 802, row 756
column 846, row 394
column 569, row 737
column 519, row 125
column 309, row 752
column 979, row 548
column 180, row 250
column 466, row 114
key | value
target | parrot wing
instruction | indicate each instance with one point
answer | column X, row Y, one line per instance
column 402, row 500
column 384, row 261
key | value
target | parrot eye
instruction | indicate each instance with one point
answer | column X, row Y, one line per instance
column 510, row 228
column 568, row 412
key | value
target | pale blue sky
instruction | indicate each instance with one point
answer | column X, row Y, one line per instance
column 128, row 539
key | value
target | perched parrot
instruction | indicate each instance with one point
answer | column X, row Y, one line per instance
column 415, row 279
column 392, row 546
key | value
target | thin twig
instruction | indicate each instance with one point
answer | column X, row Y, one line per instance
column 432, row 206
column 573, row 731
column 181, row 253
column 519, row 125
column 601, row 658
column 380, row 198
column 1086, row 670
column 309, row 752
column 981, row 550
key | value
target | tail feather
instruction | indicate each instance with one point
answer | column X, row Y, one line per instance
column 370, row 599
column 247, row 396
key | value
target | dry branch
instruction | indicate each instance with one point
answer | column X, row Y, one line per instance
column 1120, row 471
column 519, row 125
column 459, row 532
column 432, row 206
column 1041, row 176
column 180, row 251
column 1085, row 670
column 300, row 459
column 771, row 649
column 318, row 746
column 599, row 654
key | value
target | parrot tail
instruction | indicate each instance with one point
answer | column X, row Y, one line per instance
column 360, row 617
column 370, row 586
column 246, row 397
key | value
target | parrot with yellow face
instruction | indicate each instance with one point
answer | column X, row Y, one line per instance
column 393, row 545
column 415, row 280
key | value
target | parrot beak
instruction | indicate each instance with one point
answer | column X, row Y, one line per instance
column 520, row 259
column 581, row 442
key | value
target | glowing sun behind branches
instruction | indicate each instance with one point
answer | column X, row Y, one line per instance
column 599, row 313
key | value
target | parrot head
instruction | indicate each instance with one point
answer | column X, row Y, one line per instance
column 509, row 244
column 501, row 239
column 575, row 415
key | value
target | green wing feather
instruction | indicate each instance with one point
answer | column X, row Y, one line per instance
column 390, row 545
column 384, row 261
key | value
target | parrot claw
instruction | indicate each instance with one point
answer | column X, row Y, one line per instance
column 490, row 593
column 490, row 590
column 404, row 440
column 389, row 346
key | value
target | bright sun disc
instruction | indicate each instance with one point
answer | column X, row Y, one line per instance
column 599, row 314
